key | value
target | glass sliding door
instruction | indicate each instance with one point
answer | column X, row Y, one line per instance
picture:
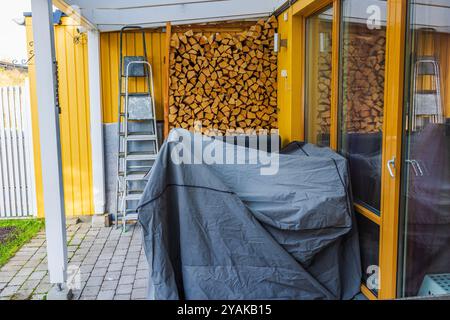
column 361, row 112
column 318, row 77
column 425, row 230
column 363, row 49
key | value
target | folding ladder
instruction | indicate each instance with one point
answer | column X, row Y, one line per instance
column 137, row 130
column 427, row 104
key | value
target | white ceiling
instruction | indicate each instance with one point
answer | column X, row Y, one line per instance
column 109, row 15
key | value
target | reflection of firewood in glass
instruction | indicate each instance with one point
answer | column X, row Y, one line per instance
column 364, row 68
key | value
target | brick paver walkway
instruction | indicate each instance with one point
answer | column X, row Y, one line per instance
column 104, row 264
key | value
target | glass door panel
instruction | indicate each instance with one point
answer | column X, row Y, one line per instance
column 363, row 49
column 425, row 234
column 369, row 235
column 361, row 116
column 318, row 77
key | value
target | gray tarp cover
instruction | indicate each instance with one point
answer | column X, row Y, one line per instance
column 228, row 232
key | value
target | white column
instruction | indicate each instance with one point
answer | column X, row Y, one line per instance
column 98, row 158
column 55, row 221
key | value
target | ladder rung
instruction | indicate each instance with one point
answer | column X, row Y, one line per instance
column 137, row 156
column 135, row 76
column 131, row 216
column 122, row 115
column 136, row 70
column 140, row 137
column 132, row 134
column 133, row 58
column 136, row 94
column 427, row 92
column 137, row 192
column 128, row 212
column 139, row 168
column 135, row 176
column 133, row 197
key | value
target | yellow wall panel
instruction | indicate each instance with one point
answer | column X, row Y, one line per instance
column 109, row 55
column 290, row 93
column 283, row 94
column 71, row 54
column 35, row 123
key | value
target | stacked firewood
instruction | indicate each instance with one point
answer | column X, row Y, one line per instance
column 324, row 89
column 363, row 82
column 225, row 81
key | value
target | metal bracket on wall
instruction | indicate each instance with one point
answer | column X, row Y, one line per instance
column 56, row 71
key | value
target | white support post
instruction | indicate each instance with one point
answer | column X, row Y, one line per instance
column 55, row 221
column 98, row 159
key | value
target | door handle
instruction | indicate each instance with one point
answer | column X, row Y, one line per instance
column 413, row 165
column 390, row 165
column 417, row 168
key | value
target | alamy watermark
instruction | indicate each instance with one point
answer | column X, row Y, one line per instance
column 374, row 19
column 373, row 277
column 201, row 148
column 74, row 277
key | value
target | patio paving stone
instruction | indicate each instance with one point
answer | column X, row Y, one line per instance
column 126, row 279
column 124, row 289
column 112, row 275
column 37, row 275
column 129, row 271
column 94, row 281
column 9, row 291
column 106, row 295
column 110, row 265
column 109, row 285
column 17, row 280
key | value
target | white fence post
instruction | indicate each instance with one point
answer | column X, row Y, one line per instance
column 17, row 180
column 29, row 150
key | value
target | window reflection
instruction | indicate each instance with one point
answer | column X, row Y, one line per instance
column 426, row 246
column 369, row 234
column 363, row 49
column 318, row 77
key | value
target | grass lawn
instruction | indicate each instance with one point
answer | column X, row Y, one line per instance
column 14, row 234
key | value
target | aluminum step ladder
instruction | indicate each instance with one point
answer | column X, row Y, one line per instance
column 427, row 101
column 137, row 131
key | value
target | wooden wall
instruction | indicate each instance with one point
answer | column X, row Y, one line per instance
column 109, row 55
column 71, row 54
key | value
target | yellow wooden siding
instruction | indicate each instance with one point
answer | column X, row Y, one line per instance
column 71, row 54
column 35, row 123
column 290, row 94
column 109, row 55
column 283, row 95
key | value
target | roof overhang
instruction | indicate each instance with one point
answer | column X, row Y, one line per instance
column 112, row 15
column 74, row 14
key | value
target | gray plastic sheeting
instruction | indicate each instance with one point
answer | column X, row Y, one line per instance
column 227, row 232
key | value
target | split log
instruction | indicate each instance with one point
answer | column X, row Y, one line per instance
column 226, row 81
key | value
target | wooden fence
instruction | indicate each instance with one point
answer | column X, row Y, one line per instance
column 17, row 180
